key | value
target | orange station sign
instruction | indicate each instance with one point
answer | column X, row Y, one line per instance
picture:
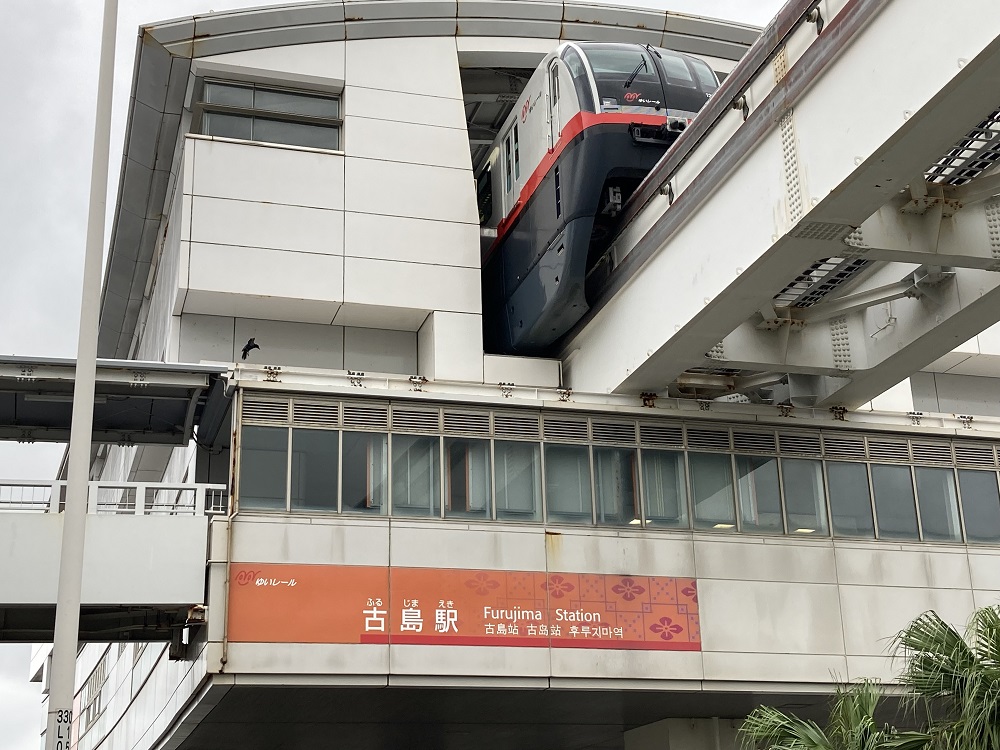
column 280, row 603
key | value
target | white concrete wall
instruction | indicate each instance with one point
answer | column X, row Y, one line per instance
column 776, row 614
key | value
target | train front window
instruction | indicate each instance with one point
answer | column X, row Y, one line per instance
column 625, row 76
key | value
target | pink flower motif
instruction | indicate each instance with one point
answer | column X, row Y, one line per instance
column 558, row 586
column 690, row 592
column 628, row 589
column 482, row 583
column 667, row 628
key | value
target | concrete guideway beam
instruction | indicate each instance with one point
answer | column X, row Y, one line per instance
column 787, row 187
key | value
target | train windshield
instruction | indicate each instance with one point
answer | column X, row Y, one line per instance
column 625, row 75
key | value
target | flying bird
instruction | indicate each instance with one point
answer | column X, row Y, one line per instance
column 250, row 346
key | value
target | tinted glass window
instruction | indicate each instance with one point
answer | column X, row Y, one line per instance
column 894, row 507
column 518, row 476
column 467, row 478
column 712, row 490
column 567, row 484
column 614, row 480
column 850, row 499
column 938, row 503
column 416, row 488
column 263, row 467
column 296, row 103
column 676, row 69
column 980, row 505
column 805, row 505
column 314, row 470
column 759, row 494
column 664, row 488
column 622, row 61
column 364, row 473
column 704, row 74
column 296, row 133
column 581, row 80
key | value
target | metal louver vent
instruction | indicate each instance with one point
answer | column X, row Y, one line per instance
column 844, row 447
column 565, row 429
column 974, row 455
column 467, row 423
column 754, row 442
column 932, row 453
column 801, row 444
column 317, row 414
column 613, row 432
column 713, row 440
column 886, row 450
column 416, row 420
column 264, row 410
column 665, row 436
column 366, row 416
column 515, row 425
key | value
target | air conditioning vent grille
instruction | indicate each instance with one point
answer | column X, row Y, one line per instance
column 613, row 432
column 265, row 410
column 887, row 450
column 799, row 444
column 709, row 440
column 975, row 455
column 574, row 430
column 366, row 416
column 932, row 453
column 416, row 420
column 845, row 447
column 661, row 436
column 467, row 423
column 316, row 414
column 755, row 442
column 515, row 425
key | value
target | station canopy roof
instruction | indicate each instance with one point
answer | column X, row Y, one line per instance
column 134, row 402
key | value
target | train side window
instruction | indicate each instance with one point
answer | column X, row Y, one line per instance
column 517, row 156
column 705, row 76
column 554, row 83
column 581, row 81
column 507, row 171
column 484, row 195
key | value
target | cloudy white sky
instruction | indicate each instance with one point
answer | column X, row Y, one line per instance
column 48, row 80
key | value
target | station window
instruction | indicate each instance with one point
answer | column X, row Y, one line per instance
column 270, row 115
column 364, row 474
column 712, row 491
column 805, row 501
column 314, row 470
column 894, row 506
column 518, row 475
column 615, row 482
column 981, row 505
column 415, row 483
column 467, row 478
column 665, row 488
column 938, row 503
column 567, row 483
column 850, row 499
column 263, row 467
column 759, row 493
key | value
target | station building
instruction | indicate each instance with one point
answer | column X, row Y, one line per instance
column 419, row 543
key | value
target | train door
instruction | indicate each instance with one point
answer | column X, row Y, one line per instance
column 555, row 126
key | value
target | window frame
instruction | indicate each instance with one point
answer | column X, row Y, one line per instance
column 200, row 108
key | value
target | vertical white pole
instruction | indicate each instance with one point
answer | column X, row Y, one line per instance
column 67, row 626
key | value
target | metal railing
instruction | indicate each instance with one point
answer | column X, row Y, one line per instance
column 118, row 498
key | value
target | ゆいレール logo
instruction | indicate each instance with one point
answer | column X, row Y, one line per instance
column 631, row 96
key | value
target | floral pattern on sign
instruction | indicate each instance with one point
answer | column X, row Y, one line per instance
column 691, row 592
column 666, row 628
column 558, row 587
column 482, row 583
column 628, row 589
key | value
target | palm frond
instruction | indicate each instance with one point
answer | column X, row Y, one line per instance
column 774, row 729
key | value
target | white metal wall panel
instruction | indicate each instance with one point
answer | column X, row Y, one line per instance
column 291, row 343
column 401, row 107
column 206, row 338
column 450, row 346
column 320, row 63
column 320, row 543
column 417, row 65
column 29, row 547
column 374, row 350
column 414, row 240
column 418, row 191
column 417, row 286
column 269, row 174
column 267, row 225
column 387, row 140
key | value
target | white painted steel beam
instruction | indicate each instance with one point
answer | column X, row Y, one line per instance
column 836, row 139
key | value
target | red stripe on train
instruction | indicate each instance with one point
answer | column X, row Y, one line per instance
column 580, row 122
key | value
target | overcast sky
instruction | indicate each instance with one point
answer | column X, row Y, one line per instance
column 48, row 80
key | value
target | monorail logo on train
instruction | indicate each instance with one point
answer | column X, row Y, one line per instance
column 529, row 106
column 441, row 607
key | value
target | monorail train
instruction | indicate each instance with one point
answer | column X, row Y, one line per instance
column 592, row 121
